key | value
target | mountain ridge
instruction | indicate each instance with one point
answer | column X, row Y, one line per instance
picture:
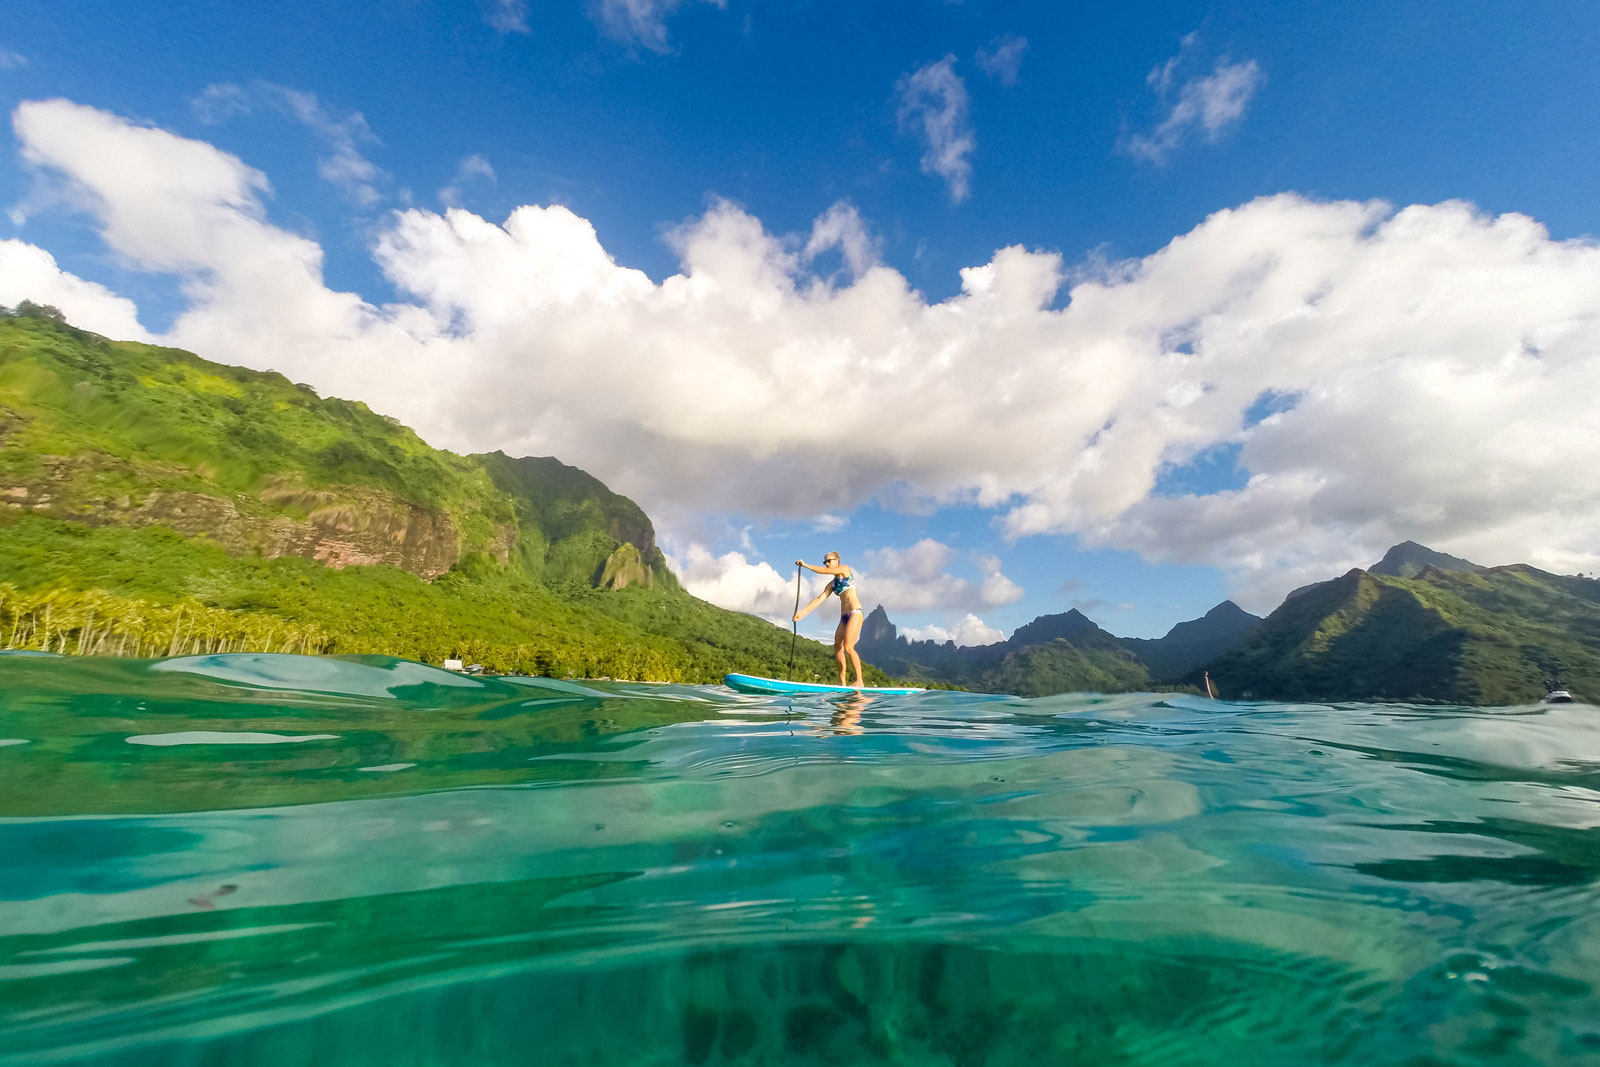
column 145, row 491
column 1068, row 647
column 1462, row 634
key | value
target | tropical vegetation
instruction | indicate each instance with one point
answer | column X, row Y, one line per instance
column 154, row 503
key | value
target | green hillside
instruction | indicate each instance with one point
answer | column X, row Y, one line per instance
column 152, row 502
column 1480, row 636
column 1065, row 653
column 1062, row 653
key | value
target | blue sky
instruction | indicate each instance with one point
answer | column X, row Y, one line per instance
column 1099, row 134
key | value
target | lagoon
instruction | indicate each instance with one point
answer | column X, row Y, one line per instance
column 250, row 859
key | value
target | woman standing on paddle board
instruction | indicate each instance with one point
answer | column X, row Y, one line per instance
column 850, row 614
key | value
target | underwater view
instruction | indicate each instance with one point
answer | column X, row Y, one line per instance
column 276, row 859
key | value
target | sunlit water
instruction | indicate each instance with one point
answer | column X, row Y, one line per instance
column 275, row 860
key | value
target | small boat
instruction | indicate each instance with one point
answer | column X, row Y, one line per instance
column 1558, row 696
column 749, row 683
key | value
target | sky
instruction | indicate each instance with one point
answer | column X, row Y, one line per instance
column 1020, row 307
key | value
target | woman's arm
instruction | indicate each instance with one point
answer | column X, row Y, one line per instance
column 809, row 608
column 826, row 568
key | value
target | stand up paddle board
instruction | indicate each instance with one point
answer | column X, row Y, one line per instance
column 749, row 683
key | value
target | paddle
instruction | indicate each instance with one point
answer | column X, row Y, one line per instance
column 790, row 676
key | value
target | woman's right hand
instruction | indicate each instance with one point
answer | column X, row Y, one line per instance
column 799, row 563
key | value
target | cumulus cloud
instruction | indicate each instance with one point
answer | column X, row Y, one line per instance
column 996, row 588
column 732, row 581
column 841, row 227
column 971, row 630
column 1207, row 103
column 1002, row 59
column 342, row 162
column 916, row 578
column 1443, row 363
column 933, row 103
column 639, row 22
column 507, row 16
column 28, row 272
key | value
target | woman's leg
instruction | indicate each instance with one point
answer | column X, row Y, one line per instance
column 852, row 631
column 839, row 634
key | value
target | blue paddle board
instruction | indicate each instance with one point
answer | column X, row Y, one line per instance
column 749, row 683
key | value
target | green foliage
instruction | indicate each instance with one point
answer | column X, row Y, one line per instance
column 27, row 309
column 104, row 431
column 1487, row 636
column 95, row 623
column 118, row 579
column 1061, row 667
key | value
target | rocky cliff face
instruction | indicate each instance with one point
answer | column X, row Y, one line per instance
column 358, row 526
column 624, row 567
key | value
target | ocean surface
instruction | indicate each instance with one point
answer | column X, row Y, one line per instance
column 279, row 860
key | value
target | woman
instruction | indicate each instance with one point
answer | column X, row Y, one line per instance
column 850, row 614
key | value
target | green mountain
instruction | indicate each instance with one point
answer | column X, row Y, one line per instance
column 1409, row 559
column 1468, row 635
column 1189, row 646
column 1059, row 653
column 153, row 502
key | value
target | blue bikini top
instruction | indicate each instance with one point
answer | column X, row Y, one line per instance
column 841, row 582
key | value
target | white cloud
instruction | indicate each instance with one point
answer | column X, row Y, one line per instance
column 732, row 581
column 913, row 579
column 998, row 589
column 841, row 227
column 1208, row 104
column 475, row 167
column 30, row 273
column 341, row 163
column 1444, row 360
column 933, row 102
column 507, row 16
column 216, row 104
column 639, row 22
column 826, row 523
column 971, row 630
column 1002, row 59
column 10, row 60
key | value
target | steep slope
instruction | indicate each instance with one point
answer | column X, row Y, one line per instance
column 1480, row 636
column 131, row 434
column 154, row 502
column 1190, row 645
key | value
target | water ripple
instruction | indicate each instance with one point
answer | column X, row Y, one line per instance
column 462, row 870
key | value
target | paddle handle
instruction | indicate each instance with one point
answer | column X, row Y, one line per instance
column 795, row 623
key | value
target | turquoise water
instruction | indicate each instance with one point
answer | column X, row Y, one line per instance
column 282, row 860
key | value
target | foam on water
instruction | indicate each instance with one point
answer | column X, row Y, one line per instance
column 498, row 871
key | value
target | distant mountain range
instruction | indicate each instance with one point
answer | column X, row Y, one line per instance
column 1419, row 625
column 1060, row 653
column 1458, row 633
